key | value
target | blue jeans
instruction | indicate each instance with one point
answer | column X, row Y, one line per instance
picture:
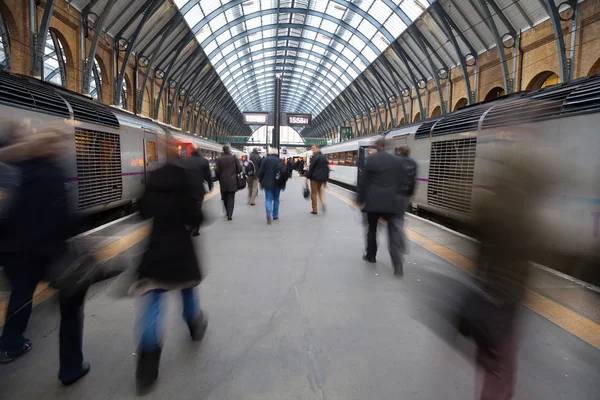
column 272, row 202
column 151, row 316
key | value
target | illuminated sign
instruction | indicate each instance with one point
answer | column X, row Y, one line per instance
column 256, row 118
column 298, row 119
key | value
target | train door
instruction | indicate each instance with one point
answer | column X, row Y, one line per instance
column 150, row 152
column 364, row 151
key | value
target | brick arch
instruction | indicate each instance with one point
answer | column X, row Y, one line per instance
column 595, row 68
column 71, row 78
column 461, row 103
column 542, row 79
column 162, row 108
column 128, row 81
column 417, row 117
column 494, row 93
column 146, row 104
column 106, row 81
column 436, row 111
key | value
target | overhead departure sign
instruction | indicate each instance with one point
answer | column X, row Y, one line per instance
column 256, row 118
column 298, row 119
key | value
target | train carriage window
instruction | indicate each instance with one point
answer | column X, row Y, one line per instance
column 151, row 152
column 336, row 158
column 330, row 158
column 355, row 158
column 348, row 160
column 54, row 60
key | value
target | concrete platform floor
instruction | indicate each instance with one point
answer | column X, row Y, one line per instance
column 296, row 314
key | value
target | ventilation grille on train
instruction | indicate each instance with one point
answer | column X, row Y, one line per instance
column 451, row 171
column 98, row 168
column 21, row 93
column 88, row 111
column 541, row 105
column 424, row 130
column 584, row 99
column 461, row 121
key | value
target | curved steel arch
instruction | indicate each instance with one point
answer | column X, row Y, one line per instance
column 289, row 38
column 283, row 10
column 250, row 32
column 271, row 58
column 268, row 84
column 283, row 64
column 243, row 89
column 240, row 59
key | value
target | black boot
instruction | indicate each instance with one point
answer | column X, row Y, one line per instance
column 147, row 370
column 198, row 328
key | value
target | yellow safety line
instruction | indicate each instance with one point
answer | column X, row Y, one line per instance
column 584, row 328
column 43, row 291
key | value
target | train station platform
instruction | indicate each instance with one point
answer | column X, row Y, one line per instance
column 295, row 313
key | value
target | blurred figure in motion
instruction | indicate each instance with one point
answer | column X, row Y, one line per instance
column 290, row 167
column 227, row 169
column 410, row 168
column 383, row 192
column 318, row 173
column 522, row 176
column 252, row 166
column 199, row 172
column 34, row 235
column 169, row 262
column 270, row 170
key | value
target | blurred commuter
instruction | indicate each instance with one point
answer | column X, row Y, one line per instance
column 410, row 168
column 272, row 181
column 169, row 262
column 382, row 192
column 227, row 168
column 251, row 168
column 34, row 236
column 199, row 172
column 290, row 167
column 318, row 173
column 300, row 166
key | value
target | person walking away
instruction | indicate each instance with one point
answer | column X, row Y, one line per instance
column 198, row 170
column 227, row 168
column 34, row 235
column 169, row 262
column 382, row 193
column 252, row 166
column 290, row 167
column 272, row 175
column 318, row 173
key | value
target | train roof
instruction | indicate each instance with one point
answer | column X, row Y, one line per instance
column 350, row 145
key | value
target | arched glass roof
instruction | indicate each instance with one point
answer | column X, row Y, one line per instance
column 318, row 47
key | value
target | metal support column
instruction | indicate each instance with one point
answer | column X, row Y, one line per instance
column 40, row 39
column 277, row 116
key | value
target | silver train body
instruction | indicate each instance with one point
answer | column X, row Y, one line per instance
column 113, row 151
column 457, row 157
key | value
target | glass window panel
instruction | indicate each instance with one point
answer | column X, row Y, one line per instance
column 319, row 50
column 269, row 19
column 222, row 38
column 380, row 11
column 232, row 13
column 210, row 47
column 203, row 34
column 365, row 5
column 411, row 9
column 218, row 57
column 319, row 5
column 348, row 53
column 395, row 25
column 335, row 10
column 342, row 64
column 352, row 19
column 329, row 26
column 313, row 21
column 181, row 3
column 367, row 29
column 209, row 6
column 217, row 22
column 356, row 42
column 194, row 16
column 309, row 34
column 253, row 23
column 369, row 54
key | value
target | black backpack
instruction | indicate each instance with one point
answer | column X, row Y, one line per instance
column 282, row 174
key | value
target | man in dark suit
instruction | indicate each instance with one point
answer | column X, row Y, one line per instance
column 227, row 169
column 383, row 191
column 198, row 171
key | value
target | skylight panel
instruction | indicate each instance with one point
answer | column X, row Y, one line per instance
column 194, row 16
column 209, row 6
column 367, row 29
column 329, row 26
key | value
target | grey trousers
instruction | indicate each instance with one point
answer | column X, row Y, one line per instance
column 252, row 188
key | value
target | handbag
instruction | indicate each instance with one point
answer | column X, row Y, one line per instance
column 241, row 181
column 306, row 191
column 75, row 269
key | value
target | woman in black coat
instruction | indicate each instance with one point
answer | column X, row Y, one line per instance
column 169, row 263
